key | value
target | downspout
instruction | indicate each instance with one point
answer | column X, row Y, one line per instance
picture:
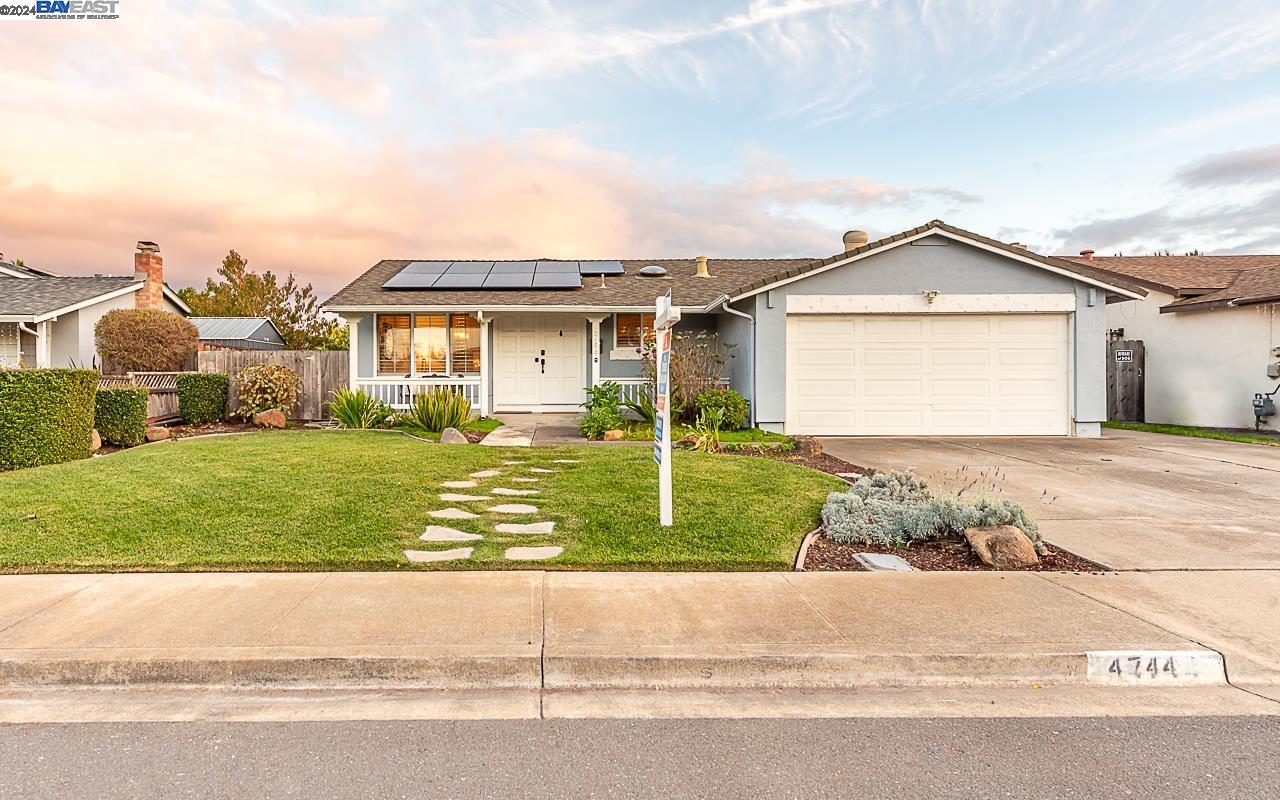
column 724, row 303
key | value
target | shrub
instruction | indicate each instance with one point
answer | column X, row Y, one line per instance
column 46, row 416
column 734, row 405
column 144, row 340
column 603, row 395
column 895, row 509
column 359, row 409
column 440, row 408
column 262, row 387
column 120, row 415
column 697, row 364
column 598, row 420
column 202, row 397
column 706, row 431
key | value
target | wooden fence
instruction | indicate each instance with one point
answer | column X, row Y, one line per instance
column 162, row 391
column 322, row 373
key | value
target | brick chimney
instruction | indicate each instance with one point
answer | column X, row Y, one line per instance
column 1087, row 255
column 149, row 266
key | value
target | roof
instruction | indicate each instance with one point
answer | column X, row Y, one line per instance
column 235, row 328
column 731, row 277
column 1250, row 286
column 24, row 271
column 1200, row 281
column 35, row 297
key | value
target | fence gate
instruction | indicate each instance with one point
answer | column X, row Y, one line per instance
column 1126, row 367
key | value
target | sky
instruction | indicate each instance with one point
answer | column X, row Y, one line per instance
column 318, row 138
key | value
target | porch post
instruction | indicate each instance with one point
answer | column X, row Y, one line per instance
column 353, row 350
column 486, row 363
column 595, row 347
column 42, row 345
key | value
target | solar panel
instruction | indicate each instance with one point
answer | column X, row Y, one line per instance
column 600, row 267
column 408, row 280
column 556, row 280
column 469, row 268
column 513, row 267
column 509, row 280
column 558, row 266
column 426, row 267
column 460, row 280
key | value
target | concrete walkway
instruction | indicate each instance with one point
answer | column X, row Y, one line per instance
column 1130, row 500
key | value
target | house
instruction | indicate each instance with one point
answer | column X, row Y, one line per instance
column 932, row 331
column 47, row 320
column 1211, row 329
column 238, row 333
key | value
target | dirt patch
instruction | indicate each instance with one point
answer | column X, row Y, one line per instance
column 215, row 428
column 807, row 452
column 827, row 556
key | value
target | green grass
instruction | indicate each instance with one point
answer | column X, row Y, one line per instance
column 483, row 425
column 1244, row 437
column 640, row 433
column 313, row 500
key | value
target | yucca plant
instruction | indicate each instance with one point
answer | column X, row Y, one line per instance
column 359, row 409
column 438, row 409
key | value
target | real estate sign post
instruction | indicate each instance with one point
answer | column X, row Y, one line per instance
column 664, row 319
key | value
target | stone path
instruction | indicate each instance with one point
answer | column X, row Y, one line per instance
column 452, row 513
column 525, row 480
column 541, row 471
column 510, row 435
column 514, row 508
column 487, row 473
column 450, row 497
column 457, row 554
column 525, row 528
column 439, row 533
column 532, row 553
column 459, row 484
column 512, row 492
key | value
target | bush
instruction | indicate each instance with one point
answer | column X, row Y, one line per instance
column 734, row 405
column 46, row 416
column 440, row 408
column 359, row 409
column 120, row 415
column 202, row 397
column 262, row 387
column 603, row 395
column 895, row 509
column 706, row 431
column 144, row 340
column 598, row 420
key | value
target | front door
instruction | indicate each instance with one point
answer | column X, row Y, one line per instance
column 540, row 361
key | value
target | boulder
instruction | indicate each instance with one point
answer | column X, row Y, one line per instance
column 95, row 443
column 614, row 435
column 272, row 418
column 157, row 433
column 1002, row 547
column 453, row 436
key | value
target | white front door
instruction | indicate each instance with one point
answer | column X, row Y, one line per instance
column 540, row 361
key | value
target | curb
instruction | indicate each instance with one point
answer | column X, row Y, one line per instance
column 804, row 548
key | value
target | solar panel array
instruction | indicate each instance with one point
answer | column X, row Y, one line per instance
column 462, row 275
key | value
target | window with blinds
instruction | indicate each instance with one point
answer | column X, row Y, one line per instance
column 394, row 338
column 464, row 344
column 428, row 344
column 630, row 330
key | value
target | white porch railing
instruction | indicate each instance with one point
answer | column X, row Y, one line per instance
column 630, row 387
column 399, row 392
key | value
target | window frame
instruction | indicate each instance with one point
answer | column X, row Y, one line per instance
column 449, row 372
column 623, row 352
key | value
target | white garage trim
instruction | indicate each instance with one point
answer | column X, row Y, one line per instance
column 920, row 304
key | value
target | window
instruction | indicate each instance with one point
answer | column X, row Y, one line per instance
column 629, row 330
column 428, row 344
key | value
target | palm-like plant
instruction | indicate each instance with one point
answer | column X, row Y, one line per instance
column 359, row 409
column 440, row 408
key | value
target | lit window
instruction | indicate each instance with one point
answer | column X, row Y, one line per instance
column 393, row 344
column 464, row 344
column 430, row 345
column 629, row 330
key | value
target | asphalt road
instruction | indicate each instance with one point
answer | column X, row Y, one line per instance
column 1166, row 758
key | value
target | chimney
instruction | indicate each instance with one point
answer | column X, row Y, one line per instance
column 854, row 239
column 702, row 267
column 148, row 266
column 1087, row 254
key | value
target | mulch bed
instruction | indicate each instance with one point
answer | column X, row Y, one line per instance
column 214, row 428
column 827, row 556
column 807, row 453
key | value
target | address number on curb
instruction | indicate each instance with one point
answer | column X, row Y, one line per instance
column 1156, row 667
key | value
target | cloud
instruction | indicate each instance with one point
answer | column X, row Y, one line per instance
column 1258, row 165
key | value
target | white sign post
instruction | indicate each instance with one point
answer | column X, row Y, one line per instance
column 664, row 319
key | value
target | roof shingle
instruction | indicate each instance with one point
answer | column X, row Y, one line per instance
column 41, row 295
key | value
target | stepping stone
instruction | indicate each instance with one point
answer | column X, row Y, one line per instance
column 439, row 533
column 459, row 484
column 450, row 497
column 514, row 508
column 540, row 470
column 532, row 553
column 525, row 480
column 486, row 473
column 420, row 556
column 513, row 492
column 525, row 528
column 512, row 463
column 566, row 461
column 452, row 513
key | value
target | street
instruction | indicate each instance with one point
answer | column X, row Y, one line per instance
column 1141, row 757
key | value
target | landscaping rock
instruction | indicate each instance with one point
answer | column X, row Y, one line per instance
column 614, row 435
column 514, row 508
column 439, row 533
column 525, row 528
column 95, row 444
column 1002, row 547
column 453, row 436
column 271, row 418
column 456, row 554
column 533, row 553
column 513, row 492
column 451, row 513
column 157, row 433
column 882, row 562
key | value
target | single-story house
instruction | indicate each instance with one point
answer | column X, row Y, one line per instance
column 932, row 331
column 47, row 320
column 1210, row 326
column 238, row 333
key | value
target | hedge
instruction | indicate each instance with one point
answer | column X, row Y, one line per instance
column 46, row 416
column 202, row 397
column 120, row 415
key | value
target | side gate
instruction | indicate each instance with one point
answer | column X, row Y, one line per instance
column 1126, row 368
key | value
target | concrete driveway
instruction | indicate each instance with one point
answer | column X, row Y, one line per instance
column 1129, row 500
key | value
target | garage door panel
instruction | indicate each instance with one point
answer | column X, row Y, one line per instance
column 1049, row 357
column 960, row 357
column 953, row 388
column 958, row 421
column 1031, row 325
column 819, row 328
column 892, row 328
column 900, row 357
column 890, row 421
column 960, row 325
column 827, row 358
column 1020, row 387
column 882, row 389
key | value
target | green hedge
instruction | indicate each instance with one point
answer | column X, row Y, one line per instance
column 120, row 415
column 46, row 416
column 202, row 397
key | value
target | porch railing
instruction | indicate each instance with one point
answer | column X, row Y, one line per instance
column 631, row 387
column 399, row 392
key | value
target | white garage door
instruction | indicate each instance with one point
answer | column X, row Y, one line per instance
column 945, row 375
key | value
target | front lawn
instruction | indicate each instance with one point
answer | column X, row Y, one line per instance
column 642, row 433
column 319, row 500
column 481, row 425
column 1244, row 437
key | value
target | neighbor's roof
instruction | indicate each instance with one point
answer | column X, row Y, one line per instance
column 235, row 328
column 1250, row 286
column 25, row 271
column 729, row 276
column 34, row 297
column 1200, row 282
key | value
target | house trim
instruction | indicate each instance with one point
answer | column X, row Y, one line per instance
column 920, row 304
column 48, row 315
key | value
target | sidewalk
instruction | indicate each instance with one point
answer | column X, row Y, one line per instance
column 551, row 634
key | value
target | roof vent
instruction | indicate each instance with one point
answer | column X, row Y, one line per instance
column 702, row 267
column 652, row 271
column 1087, row 255
column 1018, row 246
column 854, row 239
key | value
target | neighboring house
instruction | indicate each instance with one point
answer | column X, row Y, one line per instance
column 238, row 333
column 1211, row 329
column 934, row 331
column 47, row 320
